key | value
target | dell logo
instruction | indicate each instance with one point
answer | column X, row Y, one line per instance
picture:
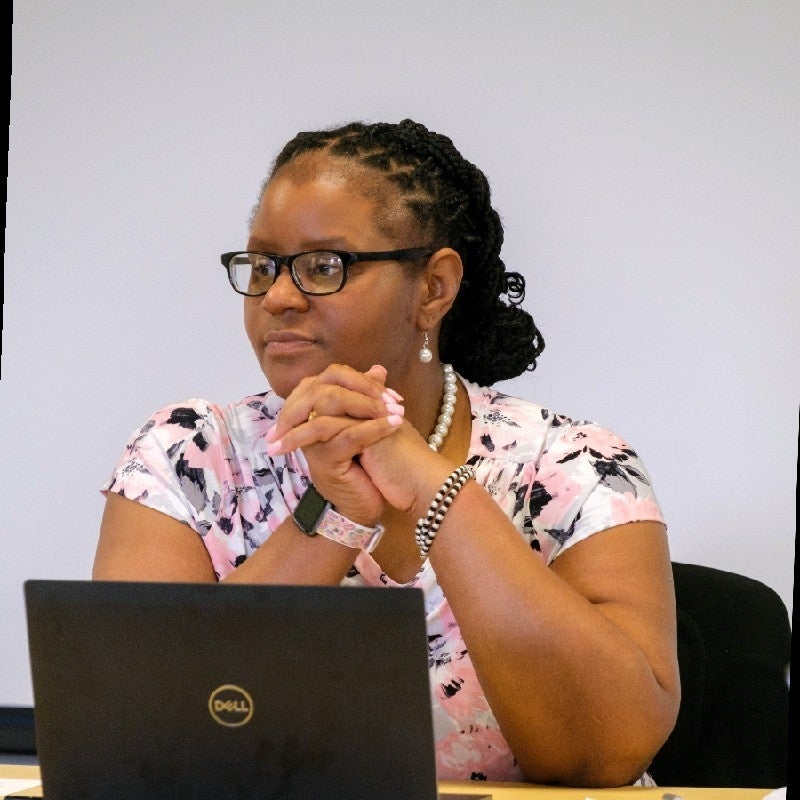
column 230, row 706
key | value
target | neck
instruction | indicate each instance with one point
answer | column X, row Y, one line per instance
column 422, row 389
column 447, row 410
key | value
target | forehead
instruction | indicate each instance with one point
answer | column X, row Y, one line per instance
column 349, row 174
column 337, row 188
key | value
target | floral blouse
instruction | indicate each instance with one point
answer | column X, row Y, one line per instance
column 558, row 480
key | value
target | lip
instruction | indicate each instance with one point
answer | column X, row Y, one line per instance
column 287, row 342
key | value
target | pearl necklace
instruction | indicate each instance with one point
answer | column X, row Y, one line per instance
column 446, row 411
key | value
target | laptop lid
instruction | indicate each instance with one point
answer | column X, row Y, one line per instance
column 153, row 690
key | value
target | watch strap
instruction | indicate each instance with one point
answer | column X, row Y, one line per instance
column 314, row 516
column 340, row 529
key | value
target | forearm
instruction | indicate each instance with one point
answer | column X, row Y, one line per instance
column 140, row 543
column 288, row 556
column 574, row 692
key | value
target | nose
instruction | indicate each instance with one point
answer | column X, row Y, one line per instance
column 283, row 295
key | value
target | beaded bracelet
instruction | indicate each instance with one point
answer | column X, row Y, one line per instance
column 427, row 526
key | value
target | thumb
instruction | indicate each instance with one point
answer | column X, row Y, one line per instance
column 378, row 372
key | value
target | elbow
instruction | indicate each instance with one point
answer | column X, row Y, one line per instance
column 606, row 767
column 619, row 766
column 616, row 754
column 630, row 744
column 629, row 753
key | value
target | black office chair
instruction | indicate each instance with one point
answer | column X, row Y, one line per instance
column 734, row 647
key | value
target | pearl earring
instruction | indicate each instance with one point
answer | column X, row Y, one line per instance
column 425, row 355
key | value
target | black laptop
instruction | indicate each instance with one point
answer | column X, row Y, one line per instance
column 156, row 691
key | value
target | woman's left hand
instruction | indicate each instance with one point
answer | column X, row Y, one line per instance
column 404, row 469
column 333, row 417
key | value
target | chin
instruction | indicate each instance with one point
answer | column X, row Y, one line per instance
column 283, row 378
column 282, row 387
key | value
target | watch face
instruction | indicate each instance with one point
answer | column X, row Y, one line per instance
column 311, row 507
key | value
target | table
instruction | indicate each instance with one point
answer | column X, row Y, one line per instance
column 519, row 791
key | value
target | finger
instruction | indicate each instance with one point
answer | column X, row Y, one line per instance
column 347, row 436
column 336, row 401
column 332, row 401
column 378, row 372
column 337, row 391
column 370, row 383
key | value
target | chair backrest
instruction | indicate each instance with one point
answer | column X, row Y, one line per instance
column 734, row 648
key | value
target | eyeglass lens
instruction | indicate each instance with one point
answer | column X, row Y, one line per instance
column 316, row 273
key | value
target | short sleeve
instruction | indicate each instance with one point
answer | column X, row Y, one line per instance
column 177, row 462
column 587, row 480
column 208, row 467
column 180, row 462
column 559, row 480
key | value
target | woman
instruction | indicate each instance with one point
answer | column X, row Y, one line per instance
column 373, row 264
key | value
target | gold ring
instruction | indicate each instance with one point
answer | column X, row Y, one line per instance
column 312, row 415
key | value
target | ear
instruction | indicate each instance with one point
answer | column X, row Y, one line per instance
column 441, row 281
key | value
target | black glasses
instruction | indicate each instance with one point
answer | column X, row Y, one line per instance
column 316, row 272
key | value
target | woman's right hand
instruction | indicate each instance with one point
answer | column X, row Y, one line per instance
column 334, row 417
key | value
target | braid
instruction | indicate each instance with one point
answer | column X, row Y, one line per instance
column 486, row 336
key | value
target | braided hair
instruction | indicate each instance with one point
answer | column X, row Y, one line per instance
column 485, row 335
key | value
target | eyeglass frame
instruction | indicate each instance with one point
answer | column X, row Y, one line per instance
column 348, row 258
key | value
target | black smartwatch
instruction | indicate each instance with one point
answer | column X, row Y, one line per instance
column 310, row 510
column 315, row 515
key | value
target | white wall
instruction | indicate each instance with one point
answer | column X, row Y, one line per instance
column 644, row 157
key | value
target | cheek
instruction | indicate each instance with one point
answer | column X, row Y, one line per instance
column 251, row 317
column 386, row 328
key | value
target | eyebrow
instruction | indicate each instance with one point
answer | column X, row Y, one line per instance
column 323, row 244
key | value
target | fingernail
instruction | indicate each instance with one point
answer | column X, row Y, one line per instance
column 272, row 433
column 394, row 394
column 395, row 420
column 274, row 448
column 395, row 408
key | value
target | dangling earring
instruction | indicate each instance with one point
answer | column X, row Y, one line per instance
column 425, row 354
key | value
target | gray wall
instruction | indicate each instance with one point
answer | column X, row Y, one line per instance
column 643, row 155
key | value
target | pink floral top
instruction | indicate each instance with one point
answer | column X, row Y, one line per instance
column 558, row 480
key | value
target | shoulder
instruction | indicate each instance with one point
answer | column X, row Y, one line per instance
column 187, row 448
column 561, row 479
column 520, row 430
column 202, row 424
column 507, row 427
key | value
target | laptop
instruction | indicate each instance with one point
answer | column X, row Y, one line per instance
column 160, row 691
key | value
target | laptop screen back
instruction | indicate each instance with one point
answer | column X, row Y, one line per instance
column 145, row 690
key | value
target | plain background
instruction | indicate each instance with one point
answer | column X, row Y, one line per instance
column 644, row 157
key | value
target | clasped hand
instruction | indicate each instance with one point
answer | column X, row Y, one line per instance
column 361, row 452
